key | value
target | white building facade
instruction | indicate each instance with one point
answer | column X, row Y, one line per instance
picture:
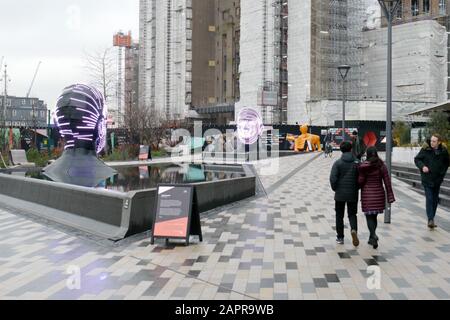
column 166, row 57
column 256, row 54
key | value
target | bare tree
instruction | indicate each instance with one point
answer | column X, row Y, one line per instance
column 101, row 68
column 145, row 125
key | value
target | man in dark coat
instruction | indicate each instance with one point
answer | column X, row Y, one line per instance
column 433, row 162
column 358, row 147
column 344, row 182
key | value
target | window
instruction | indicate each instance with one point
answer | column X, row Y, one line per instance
column 225, row 15
column 8, row 102
column 14, row 113
column 1, row 102
column 400, row 10
column 442, row 7
column 224, row 63
column 24, row 102
column 415, row 8
column 224, row 88
column 426, row 6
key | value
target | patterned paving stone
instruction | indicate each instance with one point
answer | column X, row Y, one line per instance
column 277, row 247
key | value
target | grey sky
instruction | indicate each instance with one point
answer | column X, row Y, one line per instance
column 58, row 32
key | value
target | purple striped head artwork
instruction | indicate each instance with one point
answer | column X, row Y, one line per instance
column 81, row 116
column 250, row 126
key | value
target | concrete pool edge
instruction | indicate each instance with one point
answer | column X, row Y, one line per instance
column 126, row 214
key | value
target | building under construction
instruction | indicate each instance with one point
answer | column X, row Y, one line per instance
column 127, row 84
column 290, row 51
column 281, row 57
column 189, row 57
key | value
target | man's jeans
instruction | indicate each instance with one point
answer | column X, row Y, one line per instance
column 352, row 209
column 432, row 200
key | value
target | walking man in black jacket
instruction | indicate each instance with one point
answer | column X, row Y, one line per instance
column 433, row 162
column 344, row 182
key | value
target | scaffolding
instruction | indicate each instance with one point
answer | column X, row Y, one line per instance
column 337, row 38
column 281, row 16
column 122, row 42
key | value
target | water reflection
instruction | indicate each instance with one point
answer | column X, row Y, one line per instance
column 143, row 177
column 146, row 177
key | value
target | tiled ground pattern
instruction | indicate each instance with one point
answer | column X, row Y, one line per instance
column 277, row 247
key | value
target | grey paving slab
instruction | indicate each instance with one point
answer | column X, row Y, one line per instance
column 278, row 247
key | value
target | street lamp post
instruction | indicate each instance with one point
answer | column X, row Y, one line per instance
column 389, row 8
column 343, row 71
column 48, row 134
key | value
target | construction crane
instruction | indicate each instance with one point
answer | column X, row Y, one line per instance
column 34, row 78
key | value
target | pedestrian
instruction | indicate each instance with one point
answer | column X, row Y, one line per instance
column 372, row 173
column 344, row 182
column 327, row 144
column 358, row 148
column 433, row 162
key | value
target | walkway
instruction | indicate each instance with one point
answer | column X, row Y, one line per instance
column 277, row 247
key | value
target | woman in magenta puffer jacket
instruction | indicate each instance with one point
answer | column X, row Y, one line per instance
column 372, row 174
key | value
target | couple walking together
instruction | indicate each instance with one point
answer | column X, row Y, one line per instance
column 347, row 177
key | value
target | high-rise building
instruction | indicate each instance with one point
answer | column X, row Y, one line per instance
column 222, row 44
column 189, row 56
column 415, row 10
column 131, row 77
column 258, row 78
column 290, row 51
column 281, row 57
column 227, row 27
column 203, row 52
column 166, row 57
column 418, row 10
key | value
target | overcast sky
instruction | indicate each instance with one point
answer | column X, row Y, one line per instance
column 58, row 32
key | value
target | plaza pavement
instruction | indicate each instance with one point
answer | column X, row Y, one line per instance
column 279, row 246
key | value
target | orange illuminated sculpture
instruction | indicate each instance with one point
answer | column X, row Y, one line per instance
column 306, row 142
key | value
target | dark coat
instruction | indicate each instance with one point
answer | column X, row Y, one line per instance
column 344, row 178
column 358, row 147
column 373, row 195
column 436, row 160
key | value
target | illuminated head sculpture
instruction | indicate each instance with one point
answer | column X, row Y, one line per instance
column 81, row 117
column 249, row 126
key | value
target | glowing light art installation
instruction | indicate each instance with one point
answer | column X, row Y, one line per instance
column 250, row 126
column 81, row 117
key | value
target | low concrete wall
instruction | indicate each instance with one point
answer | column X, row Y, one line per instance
column 210, row 195
column 110, row 214
column 92, row 206
column 404, row 155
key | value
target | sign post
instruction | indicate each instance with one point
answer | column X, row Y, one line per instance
column 176, row 214
column 144, row 153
